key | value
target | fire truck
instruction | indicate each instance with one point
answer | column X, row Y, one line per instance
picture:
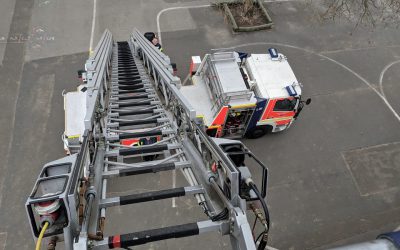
column 244, row 95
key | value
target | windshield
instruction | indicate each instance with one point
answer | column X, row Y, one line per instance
column 285, row 105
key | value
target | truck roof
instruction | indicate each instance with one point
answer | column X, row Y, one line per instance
column 199, row 97
column 272, row 76
column 228, row 73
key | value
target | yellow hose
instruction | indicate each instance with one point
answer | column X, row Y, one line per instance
column 39, row 240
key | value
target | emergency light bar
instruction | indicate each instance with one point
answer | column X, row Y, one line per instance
column 273, row 53
column 291, row 90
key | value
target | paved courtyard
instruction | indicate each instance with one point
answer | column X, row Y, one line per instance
column 333, row 175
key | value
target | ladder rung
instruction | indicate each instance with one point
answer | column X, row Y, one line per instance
column 131, row 87
column 150, row 196
column 132, row 91
column 140, row 134
column 130, row 77
column 143, row 149
column 139, row 102
column 123, row 67
column 135, row 112
column 131, row 82
column 132, row 97
column 126, row 61
column 127, row 72
column 143, row 237
column 137, row 122
column 140, row 170
column 134, row 104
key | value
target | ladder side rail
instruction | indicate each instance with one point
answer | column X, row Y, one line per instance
column 97, row 68
column 219, row 156
column 157, row 61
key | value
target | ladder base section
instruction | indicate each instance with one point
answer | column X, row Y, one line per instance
column 143, row 237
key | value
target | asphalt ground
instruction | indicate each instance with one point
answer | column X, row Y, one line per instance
column 333, row 174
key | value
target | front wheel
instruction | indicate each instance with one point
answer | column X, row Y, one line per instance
column 258, row 132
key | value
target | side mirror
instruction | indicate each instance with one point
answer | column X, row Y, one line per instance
column 308, row 101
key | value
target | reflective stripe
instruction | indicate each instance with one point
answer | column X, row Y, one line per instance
column 275, row 119
column 248, row 105
column 220, row 119
column 73, row 136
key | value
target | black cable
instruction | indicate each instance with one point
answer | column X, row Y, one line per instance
column 264, row 205
column 221, row 216
column 262, row 244
column 261, row 234
column 263, row 240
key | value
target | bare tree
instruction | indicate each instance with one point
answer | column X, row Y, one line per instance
column 368, row 12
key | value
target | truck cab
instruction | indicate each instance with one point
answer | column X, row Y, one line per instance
column 241, row 95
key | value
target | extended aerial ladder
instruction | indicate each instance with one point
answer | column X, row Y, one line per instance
column 131, row 94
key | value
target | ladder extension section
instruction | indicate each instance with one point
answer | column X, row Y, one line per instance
column 137, row 126
column 138, row 123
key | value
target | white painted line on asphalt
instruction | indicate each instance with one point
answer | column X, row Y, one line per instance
column 93, row 26
column 386, row 102
column 356, row 49
column 383, row 73
column 199, row 6
column 174, row 8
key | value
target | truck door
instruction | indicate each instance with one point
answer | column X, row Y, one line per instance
column 280, row 111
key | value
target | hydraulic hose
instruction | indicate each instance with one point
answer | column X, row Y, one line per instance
column 263, row 235
column 39, row 240
column 264, row 205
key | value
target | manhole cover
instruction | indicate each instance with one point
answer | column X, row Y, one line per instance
column 375, row 169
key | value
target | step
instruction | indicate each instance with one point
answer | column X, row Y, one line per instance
column 141, row 90
column 128, row 135
column 117, row 84
column 131, row 97
column 135, row 104
column 121, row 103
column 145, row 169
column 130, row 77
column 141, row 122
column 150, row 196
column 116, row 113
column 143, row 237
column 144, row 149
column 130, row 87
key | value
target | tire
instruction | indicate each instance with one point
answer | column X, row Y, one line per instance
column 258, row 132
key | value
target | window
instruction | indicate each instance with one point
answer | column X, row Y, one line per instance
column 285, row 105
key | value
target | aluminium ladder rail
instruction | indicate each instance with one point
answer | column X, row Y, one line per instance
column 134, row 106
column 130, row 130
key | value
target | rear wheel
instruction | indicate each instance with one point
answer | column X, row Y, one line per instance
column 258, row 132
